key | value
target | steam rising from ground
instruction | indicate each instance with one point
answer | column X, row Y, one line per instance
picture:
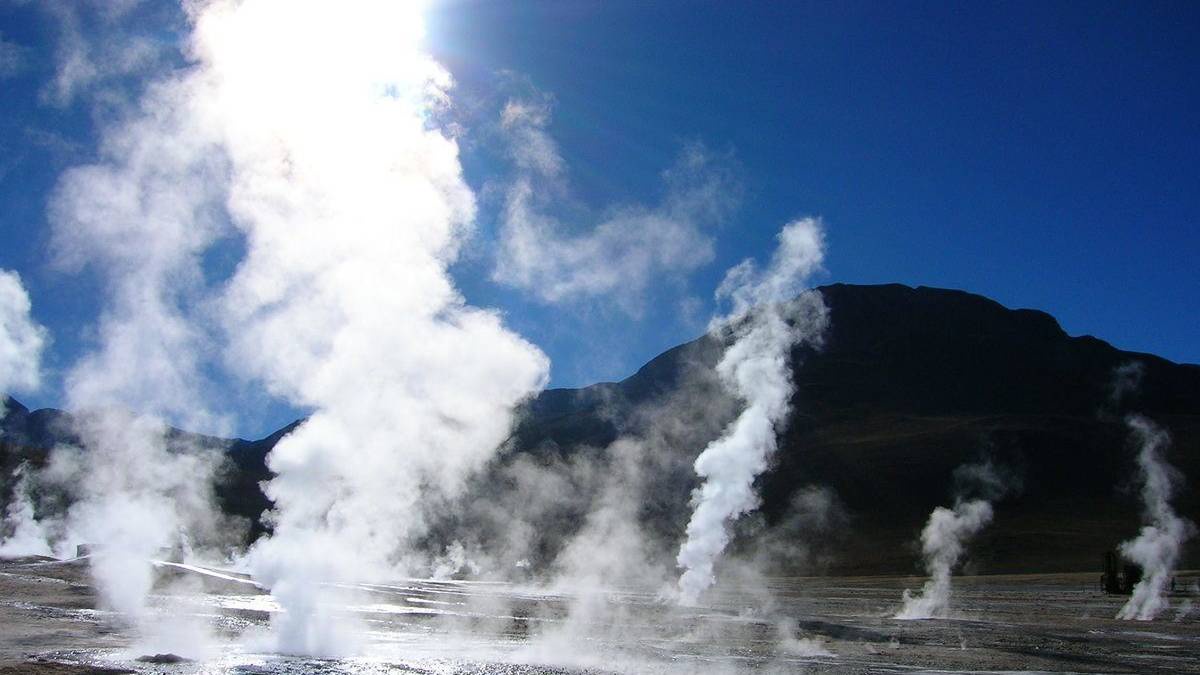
column 945, row 537
column 764, row 328
column 1157, row 548
column 21, row 343
column 942, row 543
column 352, row 207
column 139, row 219
column 26, row 536
column 319, row 150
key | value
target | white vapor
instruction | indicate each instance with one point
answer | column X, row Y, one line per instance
column 140, row 218
column 766, row 322
column 26, row 535
column 1157, row 548
column 21, row 339
column 942, row 543
column 320, row 151
column 352, row 206
column 628, row 250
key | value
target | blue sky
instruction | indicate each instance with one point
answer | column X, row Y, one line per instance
column 1044, row 154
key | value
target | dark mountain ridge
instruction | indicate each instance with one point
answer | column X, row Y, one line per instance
column 910, row 384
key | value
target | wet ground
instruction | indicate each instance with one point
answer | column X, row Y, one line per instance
column 49, row 623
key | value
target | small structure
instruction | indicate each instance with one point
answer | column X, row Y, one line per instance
column 1119, row 579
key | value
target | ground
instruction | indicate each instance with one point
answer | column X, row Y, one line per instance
column 1049, row 623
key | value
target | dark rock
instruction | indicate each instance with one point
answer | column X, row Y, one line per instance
column 162, row 659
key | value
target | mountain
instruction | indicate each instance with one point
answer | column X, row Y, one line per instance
column 913, row 383
column 910, row 384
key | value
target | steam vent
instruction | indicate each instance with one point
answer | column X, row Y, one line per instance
column 599, row 338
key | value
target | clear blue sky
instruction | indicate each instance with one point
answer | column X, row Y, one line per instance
column 1045, row 154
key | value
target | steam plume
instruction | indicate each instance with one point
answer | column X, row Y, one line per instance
column 765, row 324
column 947, row 532
column 21, row 339
column 21, row 343
column 140, row 218
column 352, row 206
column 26, row 535
column 942, row 543
column 1156, row 549
column 320, row 152
column 136, row 496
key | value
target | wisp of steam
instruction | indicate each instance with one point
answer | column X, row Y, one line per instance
column 942, row 544
column 21, row 343
column 24, row 534
column 945, row 537
column 770, row 316
column 1157, row 547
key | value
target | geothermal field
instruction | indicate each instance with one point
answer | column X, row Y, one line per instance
column 1027, row 623
column 445, row 336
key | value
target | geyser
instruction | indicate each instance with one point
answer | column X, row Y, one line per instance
column 946, row 534
column 21, row 343
column 352, row 205
column 25, row 535
column 766, row 322
column 140, row 218
column 942, row 544
column 1157, row 547
column 307, row 128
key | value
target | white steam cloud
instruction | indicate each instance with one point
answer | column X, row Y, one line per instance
column 26, row 536
column 1157, row 548
column 21, row 343
column 352, row 207
column 948, row 531
column 766, row 322
column 21, row 339
column 628, row 250
column 141, row 218
column 307, row 126
column 943, row 542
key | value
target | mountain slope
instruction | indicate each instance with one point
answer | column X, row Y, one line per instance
column 910, row 384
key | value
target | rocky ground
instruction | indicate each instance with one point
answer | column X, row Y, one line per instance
column 1048, row 623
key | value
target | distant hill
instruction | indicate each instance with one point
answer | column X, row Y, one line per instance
column 910, row 384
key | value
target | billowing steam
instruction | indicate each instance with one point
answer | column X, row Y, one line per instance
column 21, row 339
column 942, row 543
column 21, row 343
column 946, row 534
column 26, row 536
column 140, row 219
column 1157, row 548
column 766, row 322
column 307, row 126
column 352, row 207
